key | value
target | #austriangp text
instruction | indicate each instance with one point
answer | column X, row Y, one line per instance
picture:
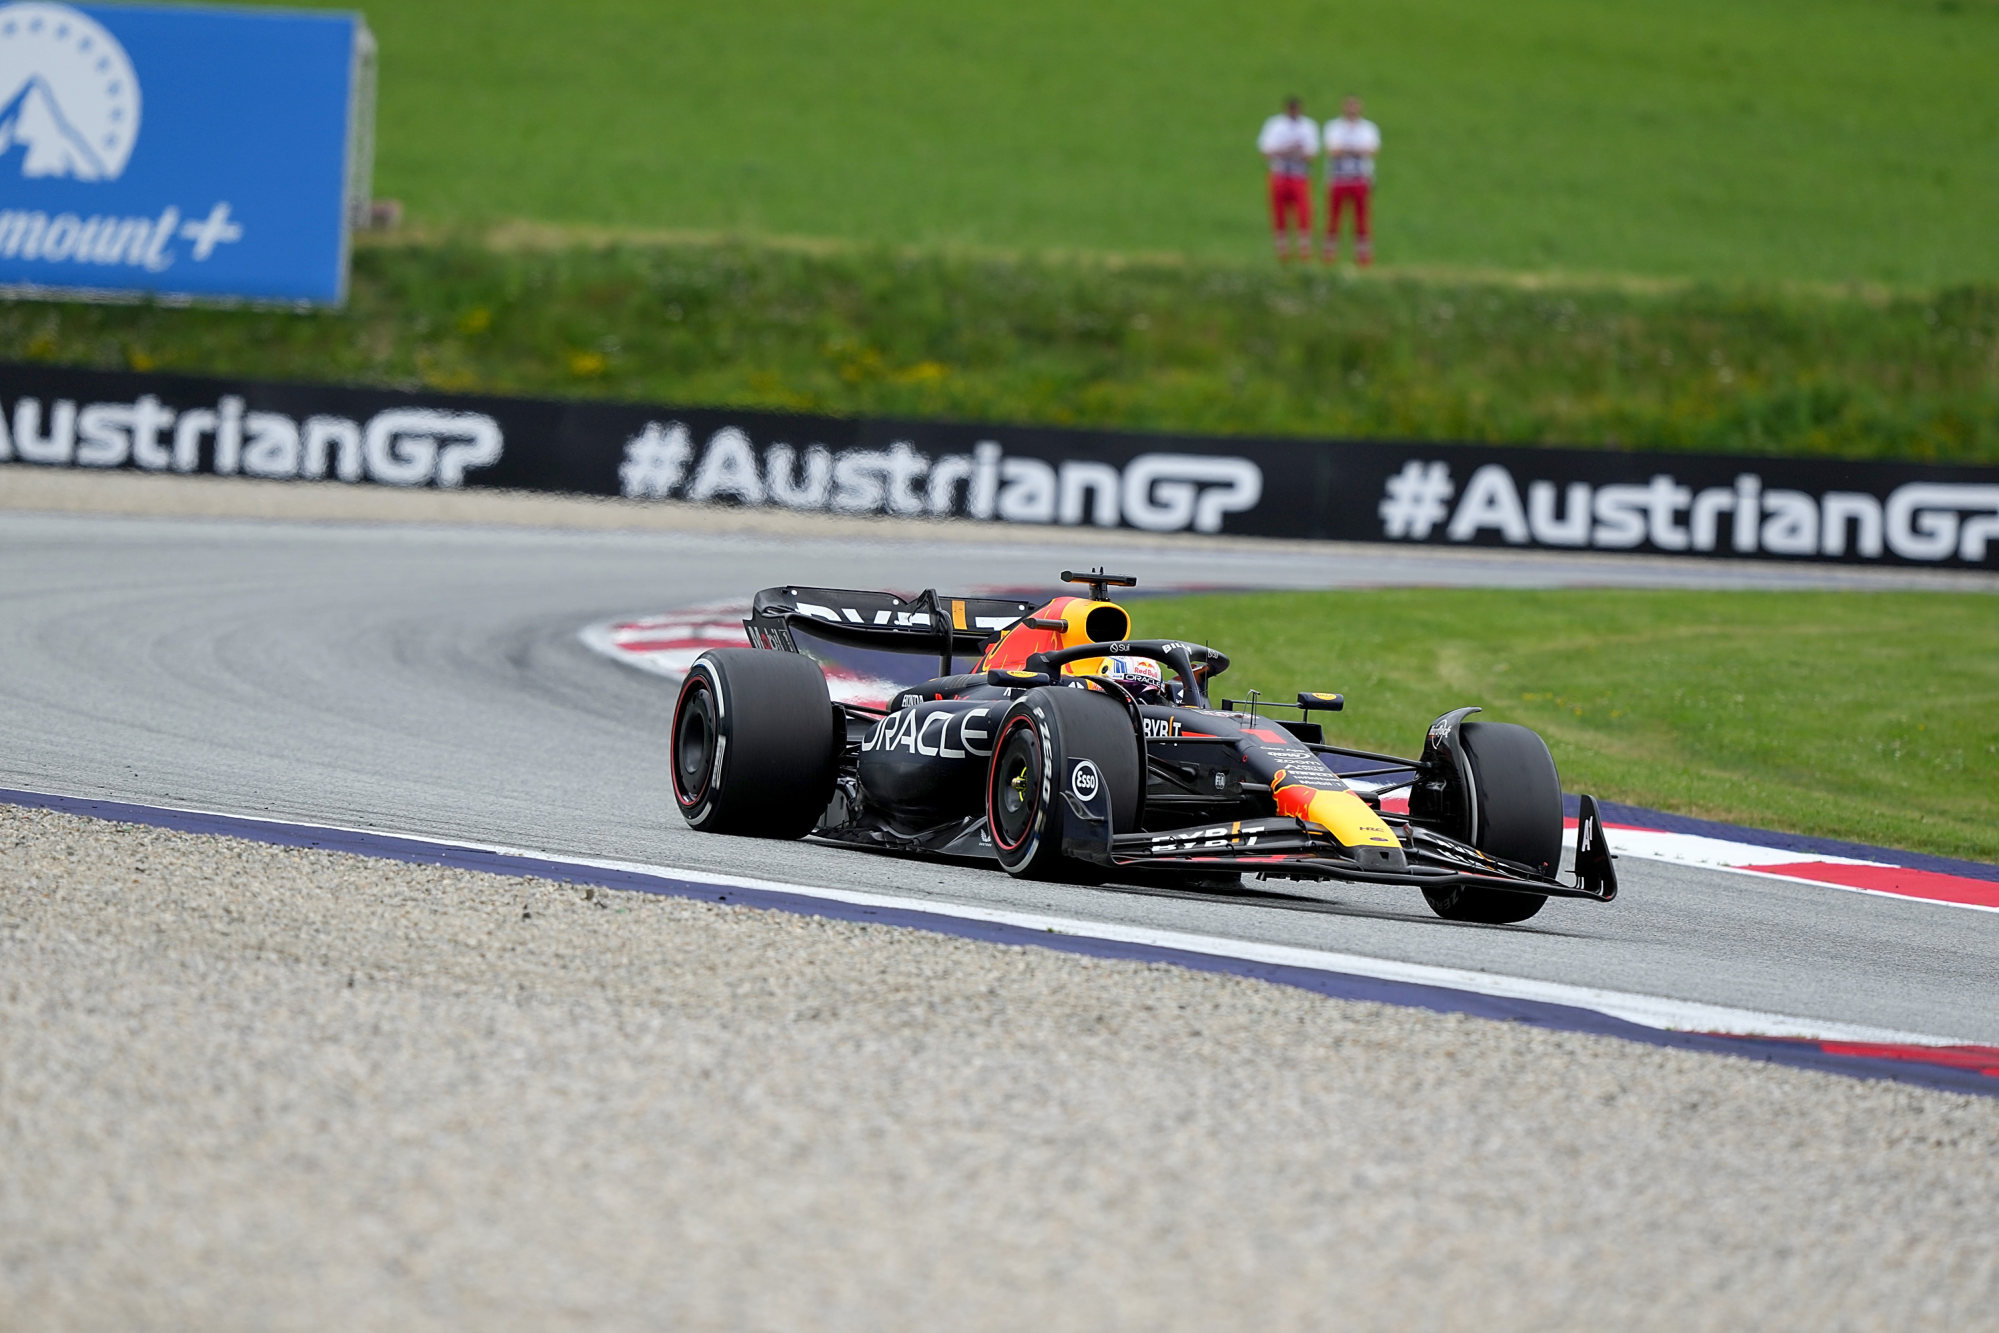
column 1690, row 505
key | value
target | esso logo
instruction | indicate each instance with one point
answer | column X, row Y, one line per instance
column 1085, row 780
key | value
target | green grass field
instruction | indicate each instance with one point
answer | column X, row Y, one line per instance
column 1198, row 346
column 1045, row 214
column 1823, row 140
column 1873, row 717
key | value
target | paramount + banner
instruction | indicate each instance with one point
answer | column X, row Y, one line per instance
column 181, row 151
column 1658, row 504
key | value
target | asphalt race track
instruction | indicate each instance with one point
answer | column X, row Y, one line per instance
column 429, row 680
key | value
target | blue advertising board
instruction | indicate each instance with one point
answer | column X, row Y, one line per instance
column 180, row 151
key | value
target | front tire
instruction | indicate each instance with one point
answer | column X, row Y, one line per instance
column 1519, row 819
column 755, row 746
column 1040, row 738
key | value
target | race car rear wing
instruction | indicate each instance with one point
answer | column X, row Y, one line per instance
column 928, row 622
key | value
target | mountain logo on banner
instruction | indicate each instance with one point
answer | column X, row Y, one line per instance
column 69, row 100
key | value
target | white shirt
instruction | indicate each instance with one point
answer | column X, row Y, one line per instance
column 1348, row 143
column 1295, row 140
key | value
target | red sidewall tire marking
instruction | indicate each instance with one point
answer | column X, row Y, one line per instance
column 992, row 784
column 698, row 681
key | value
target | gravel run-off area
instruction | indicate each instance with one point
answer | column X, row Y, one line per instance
column 244, row 1086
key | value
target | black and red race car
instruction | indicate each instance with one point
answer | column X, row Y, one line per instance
column 1056, row 744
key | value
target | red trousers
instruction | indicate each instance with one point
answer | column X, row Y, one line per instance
column 1342, row 193
column 1292, row 194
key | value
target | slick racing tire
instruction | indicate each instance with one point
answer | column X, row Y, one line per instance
column 756, row 744
column 1519, row 816
column 1035, row 752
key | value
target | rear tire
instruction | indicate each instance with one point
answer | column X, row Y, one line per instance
column 755, row 746
column 1039, row 737
column 1519, row 818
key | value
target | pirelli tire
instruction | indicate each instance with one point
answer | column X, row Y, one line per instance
column 1034, row 747
column 756, row 743
column 1519, row 804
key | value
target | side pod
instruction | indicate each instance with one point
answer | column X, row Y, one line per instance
column 1595, row 873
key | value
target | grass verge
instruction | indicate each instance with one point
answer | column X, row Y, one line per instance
column 1872, row 716
column 1807, row 139
column 1202, row 346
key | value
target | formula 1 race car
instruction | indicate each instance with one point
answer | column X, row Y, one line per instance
column 1070, row 750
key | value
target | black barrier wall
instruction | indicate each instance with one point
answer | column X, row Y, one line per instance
column 1351, row 490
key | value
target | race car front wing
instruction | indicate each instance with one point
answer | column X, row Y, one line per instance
column 1279, row 847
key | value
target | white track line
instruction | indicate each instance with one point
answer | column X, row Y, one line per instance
column 1653, row 1011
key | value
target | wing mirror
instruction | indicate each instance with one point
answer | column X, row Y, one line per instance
column 1018, row 680
column 1313, row 702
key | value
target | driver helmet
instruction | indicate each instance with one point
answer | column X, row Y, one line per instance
column 1141, row 675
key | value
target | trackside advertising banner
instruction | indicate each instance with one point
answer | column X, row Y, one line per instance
column 181, row 151
column 1435, row 494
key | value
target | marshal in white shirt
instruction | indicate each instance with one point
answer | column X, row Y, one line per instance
column 1290, row 142
column 1350, row 149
